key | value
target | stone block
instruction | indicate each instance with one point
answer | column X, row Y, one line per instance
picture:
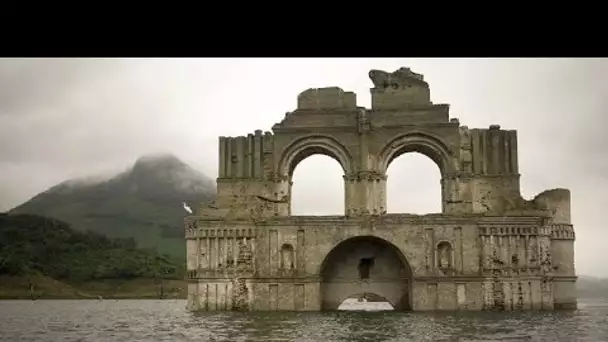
column 395, row 99
column 332, row 98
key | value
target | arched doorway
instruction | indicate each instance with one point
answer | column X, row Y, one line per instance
column 365, row 264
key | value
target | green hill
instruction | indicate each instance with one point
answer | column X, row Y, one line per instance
column 43, row 254
column 143, row 203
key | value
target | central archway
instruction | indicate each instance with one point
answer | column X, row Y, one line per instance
column 365, row 264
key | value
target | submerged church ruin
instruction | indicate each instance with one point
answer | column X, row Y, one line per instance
column 489, row 249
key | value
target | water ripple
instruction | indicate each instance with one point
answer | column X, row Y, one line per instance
column 153, row 320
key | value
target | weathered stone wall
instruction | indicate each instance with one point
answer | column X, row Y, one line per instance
column 400, row 89
column 493, row 263
column 557, row 202
column 489, row 249
column 332, row 98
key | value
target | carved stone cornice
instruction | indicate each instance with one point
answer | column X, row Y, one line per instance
column 562, row 232
column 365, row 176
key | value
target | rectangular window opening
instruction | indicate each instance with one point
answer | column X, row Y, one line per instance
column 365, row 265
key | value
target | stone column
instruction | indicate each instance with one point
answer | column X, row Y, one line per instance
column 365, row 193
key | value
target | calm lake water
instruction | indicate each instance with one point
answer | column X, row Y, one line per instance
column 156, row 320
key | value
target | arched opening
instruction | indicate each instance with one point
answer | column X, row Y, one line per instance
column 365, row 266
column 317, row 187
column 413, row 185
column 315, row 165
column 366, row 301
column 428, row 149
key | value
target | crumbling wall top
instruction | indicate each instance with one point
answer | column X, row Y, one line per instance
column 400, row 78
column 557, row 201
column 330, row 98
column 399, row 90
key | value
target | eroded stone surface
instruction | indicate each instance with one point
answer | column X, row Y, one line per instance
column 332, row 98
column 489, row 249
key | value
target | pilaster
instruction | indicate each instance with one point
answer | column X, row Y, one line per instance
column 366, row 193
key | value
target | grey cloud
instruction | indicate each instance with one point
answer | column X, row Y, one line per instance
column 558, row 106
column 29, row 83
column 76, row 117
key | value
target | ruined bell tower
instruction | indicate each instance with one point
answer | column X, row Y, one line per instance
column 489, row 249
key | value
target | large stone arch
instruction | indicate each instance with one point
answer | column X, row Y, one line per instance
column 308, row 145
column 389, row 274
column 430, row 145
column 422, row 142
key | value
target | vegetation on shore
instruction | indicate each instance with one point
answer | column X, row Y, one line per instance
column 42, row 287
column 42, row 257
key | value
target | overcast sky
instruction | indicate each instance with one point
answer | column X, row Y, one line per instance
column 61, row 119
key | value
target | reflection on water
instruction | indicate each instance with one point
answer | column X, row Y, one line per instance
column 149, row 320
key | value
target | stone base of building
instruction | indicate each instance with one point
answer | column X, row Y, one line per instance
column 564, row 293
column 566, row 306
column 426, row 294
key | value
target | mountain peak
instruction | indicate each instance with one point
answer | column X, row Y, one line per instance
column 160, row 177
column 165, row 169
column 156, row 160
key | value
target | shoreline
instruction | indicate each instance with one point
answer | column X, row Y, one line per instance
column 88, row 298
column 40, row 287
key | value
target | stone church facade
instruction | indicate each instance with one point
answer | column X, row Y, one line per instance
column 489, row 249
